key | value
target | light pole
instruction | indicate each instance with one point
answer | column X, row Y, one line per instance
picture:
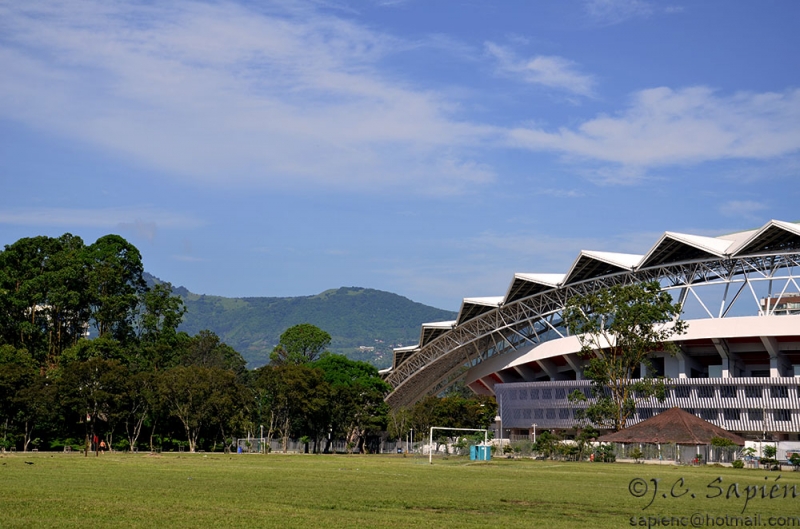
column 534, row 433
column 499, row 421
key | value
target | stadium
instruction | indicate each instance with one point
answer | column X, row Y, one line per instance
column 738, row 366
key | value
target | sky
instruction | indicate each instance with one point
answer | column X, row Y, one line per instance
column 424, row 147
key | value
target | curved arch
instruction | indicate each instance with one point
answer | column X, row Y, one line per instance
column 526, row 322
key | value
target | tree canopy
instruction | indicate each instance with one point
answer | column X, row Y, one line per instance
column 88, row 350
column 300, row 344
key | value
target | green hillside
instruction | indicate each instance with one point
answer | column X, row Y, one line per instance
column 354, row 317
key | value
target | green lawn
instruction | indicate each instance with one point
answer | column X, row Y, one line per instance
column 185, row 490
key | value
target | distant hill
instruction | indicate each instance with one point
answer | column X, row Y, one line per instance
column 356, row 318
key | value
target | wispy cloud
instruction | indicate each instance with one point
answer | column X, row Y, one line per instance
column 188, row 258
column 561, row 193
column 549, row 71
column 664, row 127
column 281, row 94
column 286, row 95
column 749, row 209
column 143, row 221
column 485, row 264
column 609, row 12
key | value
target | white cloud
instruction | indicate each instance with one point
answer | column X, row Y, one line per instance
column 282, row 95
column 616, row 11
column 749, row 209
column 187, row 259
column 485, row 264
column 550, row 71
column 144, row 229
column 144, row 221
column 561, row 193
column 278, row 94
column 664, row 127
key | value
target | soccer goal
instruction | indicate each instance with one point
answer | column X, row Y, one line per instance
column 251, row 445
column 430, row 440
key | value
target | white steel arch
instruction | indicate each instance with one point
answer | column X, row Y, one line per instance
column 744, row 274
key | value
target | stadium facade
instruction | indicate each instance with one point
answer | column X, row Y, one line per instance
column 738, row 366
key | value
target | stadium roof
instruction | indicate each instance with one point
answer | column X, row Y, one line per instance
column 431, row 331
column 474, row 307
column 525, row 285
column 591, row 269
column 670, row 248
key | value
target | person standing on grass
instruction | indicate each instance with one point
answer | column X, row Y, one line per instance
column 102, row 447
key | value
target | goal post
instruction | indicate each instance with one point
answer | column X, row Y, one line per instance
column 430, row 441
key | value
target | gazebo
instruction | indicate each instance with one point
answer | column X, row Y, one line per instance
column 676, row 428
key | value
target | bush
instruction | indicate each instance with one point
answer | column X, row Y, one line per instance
column 738, row 464
column 604, row 454
column 522, row 448
column 722, row 442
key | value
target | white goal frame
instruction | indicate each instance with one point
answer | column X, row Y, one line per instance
column 430, row 442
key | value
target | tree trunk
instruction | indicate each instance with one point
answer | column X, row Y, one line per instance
column 96, row 451
column 134, row 432
column 27, row 437
column 189, row 436
column 285, row 435
column 152, row 433
column 271, row 429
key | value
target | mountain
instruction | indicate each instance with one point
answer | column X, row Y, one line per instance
column 364, row 324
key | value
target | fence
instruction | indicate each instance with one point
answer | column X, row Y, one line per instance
column 682, row 454
column 256, row 445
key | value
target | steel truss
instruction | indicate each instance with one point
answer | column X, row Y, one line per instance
column 537, row 318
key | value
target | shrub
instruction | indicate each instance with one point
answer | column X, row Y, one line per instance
column 604, row 454
column 738, row 464
column 722, row 442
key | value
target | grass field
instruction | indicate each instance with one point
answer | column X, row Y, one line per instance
column 215, row 490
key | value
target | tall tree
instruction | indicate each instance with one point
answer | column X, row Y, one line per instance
column 297, row 397
column 44, row 304
column 161, row 314
column 207, row 350
column 67, row 303
column 92, row 391
column 115, row 284
column 136, row 404
column 356, row 404
column 18, row 372
column 201, row 398
column 619, row 329
column 300, row 344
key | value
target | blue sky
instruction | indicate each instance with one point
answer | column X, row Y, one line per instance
column 427, row 148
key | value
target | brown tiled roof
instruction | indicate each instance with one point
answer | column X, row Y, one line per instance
column 672, row 426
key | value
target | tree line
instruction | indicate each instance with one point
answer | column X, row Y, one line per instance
column 89, row 351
